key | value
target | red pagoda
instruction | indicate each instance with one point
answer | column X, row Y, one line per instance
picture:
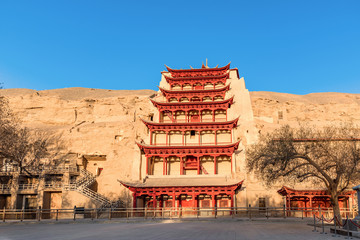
column 189, row 156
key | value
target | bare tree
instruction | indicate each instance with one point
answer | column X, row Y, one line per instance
column 329, row 156
column 28, row 150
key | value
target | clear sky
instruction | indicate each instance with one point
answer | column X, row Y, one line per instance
column 292, row 46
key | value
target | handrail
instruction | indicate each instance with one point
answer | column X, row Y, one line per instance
column 28, row 186
column 165, row 212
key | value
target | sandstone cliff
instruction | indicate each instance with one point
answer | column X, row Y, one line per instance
column 107, row 122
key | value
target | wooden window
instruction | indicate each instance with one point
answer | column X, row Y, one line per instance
column 168, row 204
column 224, row 203
column 205, row 203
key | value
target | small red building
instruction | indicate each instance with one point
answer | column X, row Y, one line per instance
column 314, row 199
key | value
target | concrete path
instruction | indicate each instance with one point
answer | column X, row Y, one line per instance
column 169, row 230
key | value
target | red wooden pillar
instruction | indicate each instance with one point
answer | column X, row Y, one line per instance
column 215, row 137
column 199, row 138
column 194, row 199
column 166, row 166
column 215, row 162
column 231, row 203
column 151, row 137
column 154, row 201
column 173, row 201
column 134, row 200
column 181, row 165
column 213, row 117
column 183, row 138
column 164, row 162
column 214, row 203
column 160, row 112
column 198, row 165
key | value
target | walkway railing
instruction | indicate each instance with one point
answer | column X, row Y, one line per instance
column 151, row 213
column 5, row 187
column 28, row 186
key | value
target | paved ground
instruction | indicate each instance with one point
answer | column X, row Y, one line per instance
column 216, row 229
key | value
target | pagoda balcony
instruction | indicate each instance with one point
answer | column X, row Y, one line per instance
column 196, row 149
column 188, row 106
column 195, row 94
column 211, row 82
column 183, row 125
column 184, row 160
column 221, row 119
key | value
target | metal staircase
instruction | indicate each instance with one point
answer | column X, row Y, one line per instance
column 82, row 187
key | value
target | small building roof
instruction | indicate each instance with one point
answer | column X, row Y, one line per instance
column 183, row 182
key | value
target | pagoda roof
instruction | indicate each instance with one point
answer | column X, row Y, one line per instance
column 285, row 191
column 194, row 78
column 220, row 149
column 167, row 91
column 179, row 105
column 191, row 125
column 183, row 182
column 227, row 67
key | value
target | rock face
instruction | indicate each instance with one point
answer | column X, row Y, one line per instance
column 91, row 122
column 96, row 122
column 273, row 109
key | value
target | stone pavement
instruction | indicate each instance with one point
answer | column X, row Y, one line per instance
column 159, row 230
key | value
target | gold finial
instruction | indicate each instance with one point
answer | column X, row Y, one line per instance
column 191, row 67
column 206, row 64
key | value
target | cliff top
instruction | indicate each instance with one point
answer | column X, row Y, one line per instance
column 78, row 93
column 314, row 98
column 75, row 93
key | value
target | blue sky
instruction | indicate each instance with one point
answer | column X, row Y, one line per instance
column 292, row 46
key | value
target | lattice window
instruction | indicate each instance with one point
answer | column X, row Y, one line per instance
column 205, row 203
column 224, row 203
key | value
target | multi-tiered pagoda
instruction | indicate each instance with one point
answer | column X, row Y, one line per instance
column 189, row 155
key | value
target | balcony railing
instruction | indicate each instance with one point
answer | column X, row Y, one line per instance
column 5, row 187
column 8, row 169
column 28, row 186
column 53, row 185
column 189, row 121
column 63, row 168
